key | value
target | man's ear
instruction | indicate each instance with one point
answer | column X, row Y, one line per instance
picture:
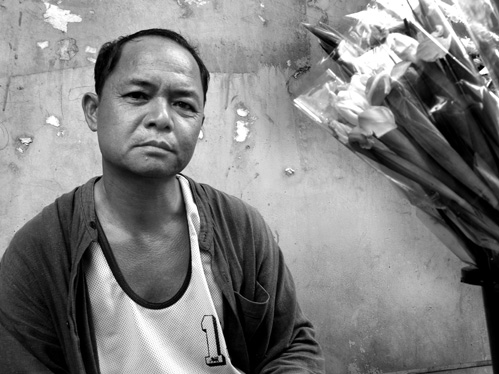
column 90, row 105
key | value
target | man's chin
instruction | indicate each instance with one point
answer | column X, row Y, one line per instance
column 156, row 173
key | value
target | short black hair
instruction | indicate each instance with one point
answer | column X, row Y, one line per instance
column 110, row 53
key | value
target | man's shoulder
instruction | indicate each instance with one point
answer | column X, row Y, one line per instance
column 62, row 207
column 51, row 222
column 213, row 198
column 228, row 213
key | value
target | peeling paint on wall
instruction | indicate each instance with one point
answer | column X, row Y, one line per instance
column 92, row 51
column 244, row 123
column 192, row 2
column 43, row 45
column 59, row 18
column 260, row 16
column 242, row 131
column 67, row 49
column 23, row 143
column 26, row 141
column 53, row 121
column 242, row 112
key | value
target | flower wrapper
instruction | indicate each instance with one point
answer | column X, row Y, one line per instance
column 414, row 107
column 482, row 22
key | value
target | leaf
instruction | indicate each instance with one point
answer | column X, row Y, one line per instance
column 433, row 49
column 378, row 89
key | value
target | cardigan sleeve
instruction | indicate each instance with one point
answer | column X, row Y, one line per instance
column 291, row 344
column 28, row 339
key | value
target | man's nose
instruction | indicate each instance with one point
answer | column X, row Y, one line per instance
column 160, row 114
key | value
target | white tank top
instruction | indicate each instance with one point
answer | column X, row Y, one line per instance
column 184, row 337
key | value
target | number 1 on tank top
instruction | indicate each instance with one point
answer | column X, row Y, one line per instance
column 215, row 356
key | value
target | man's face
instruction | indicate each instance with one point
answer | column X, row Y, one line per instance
column 150, row 110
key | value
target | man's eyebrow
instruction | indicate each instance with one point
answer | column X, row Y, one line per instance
column 187, row 92
column 139, row 82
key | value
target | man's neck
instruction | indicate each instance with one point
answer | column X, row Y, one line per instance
column 138, row 203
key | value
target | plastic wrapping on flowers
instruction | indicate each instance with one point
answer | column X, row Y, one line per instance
column 482, row 24
column 412, row 100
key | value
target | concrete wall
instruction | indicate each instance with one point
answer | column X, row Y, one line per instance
column 383, row 293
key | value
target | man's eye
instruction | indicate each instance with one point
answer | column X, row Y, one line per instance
column 136, row 95
column 185, row 106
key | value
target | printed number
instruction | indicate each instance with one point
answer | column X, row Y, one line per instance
column 215, row 356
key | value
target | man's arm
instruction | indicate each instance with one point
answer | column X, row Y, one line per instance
column 14, row 358
column 28, row 340
column 292, row 345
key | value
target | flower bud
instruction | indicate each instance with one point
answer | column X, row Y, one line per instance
column 350, row 103
column 403, row 46
column 378, row 120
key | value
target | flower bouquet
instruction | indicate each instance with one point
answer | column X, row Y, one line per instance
column 411, row 91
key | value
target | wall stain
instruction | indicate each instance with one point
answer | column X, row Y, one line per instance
column 186, row 5
column 14, row 169
column 6, row 94
column 293, row 83
column 322, row 8
column 4, row 136
column 67, row 49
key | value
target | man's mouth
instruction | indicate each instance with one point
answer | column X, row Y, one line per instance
column 158, row 144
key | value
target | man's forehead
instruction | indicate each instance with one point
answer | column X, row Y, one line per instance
column 152, row 43
column 156, row 52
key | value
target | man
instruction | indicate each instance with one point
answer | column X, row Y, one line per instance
column 143, row 270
